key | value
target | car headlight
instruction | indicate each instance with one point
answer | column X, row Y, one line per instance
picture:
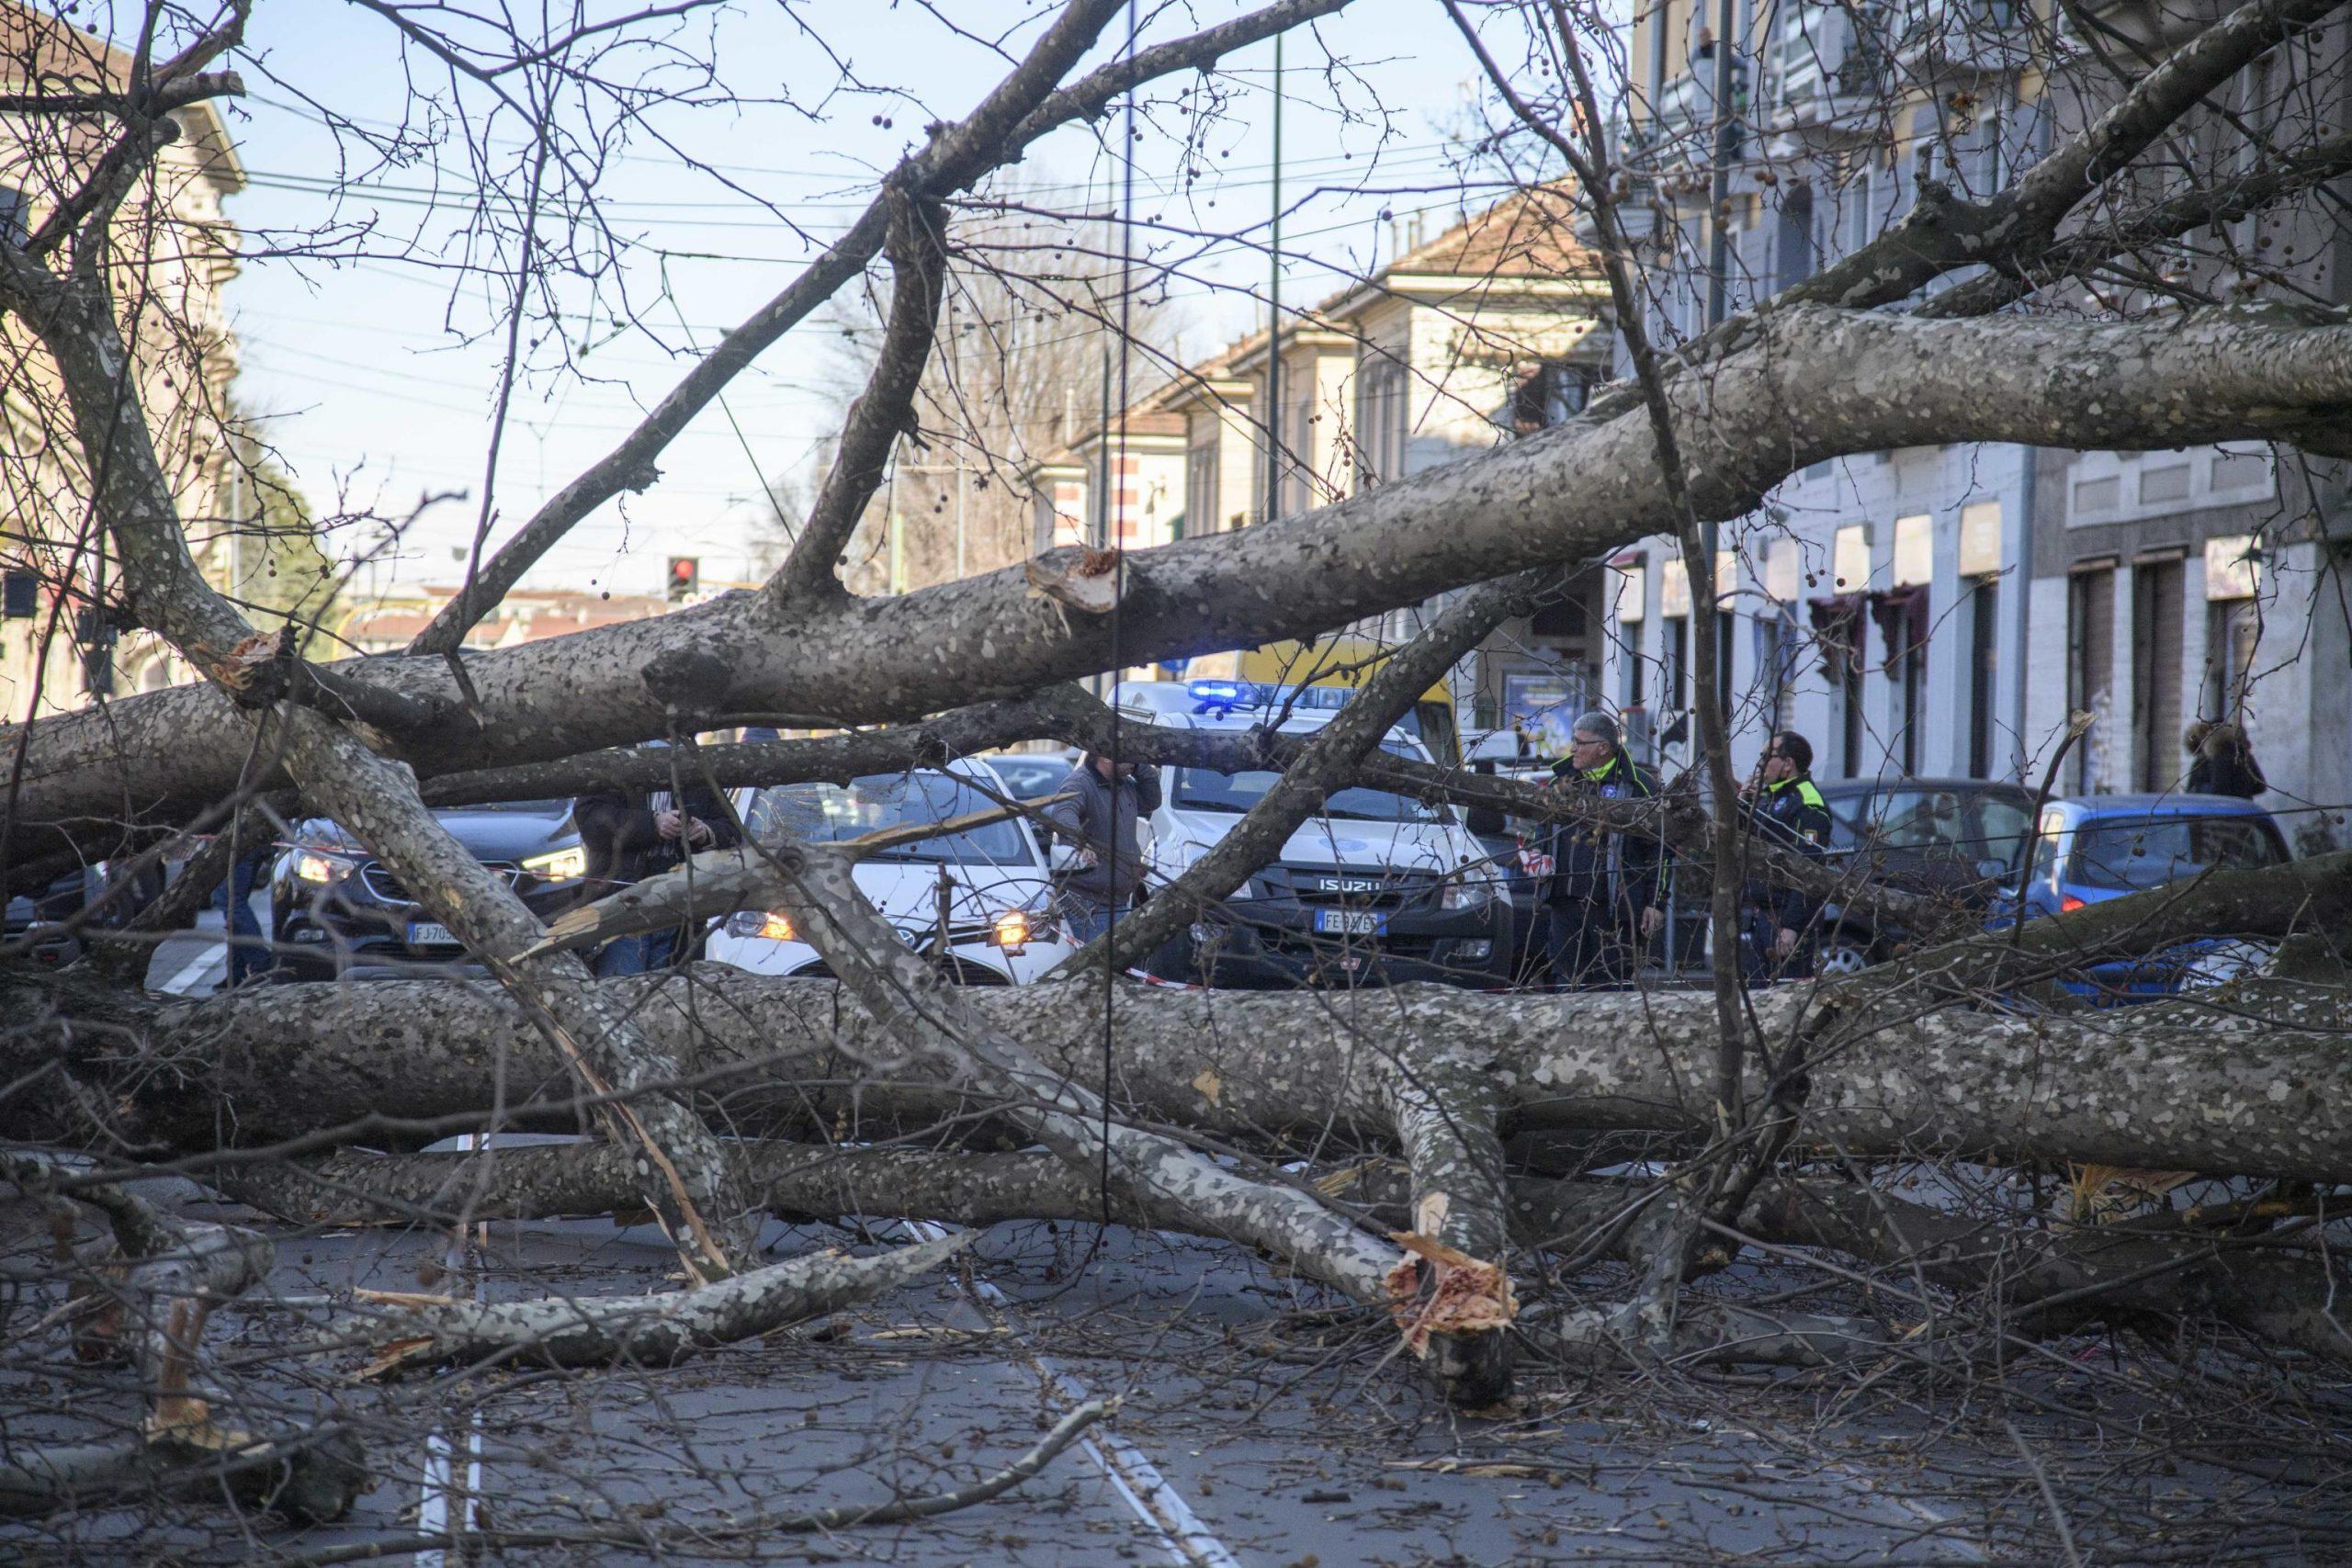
column 1467, row 892
column 772, row 924
column 560, row 865
column 317, row 867
column 1014, row 930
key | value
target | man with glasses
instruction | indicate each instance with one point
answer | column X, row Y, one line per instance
column 1789, row 811
column 1602, row 896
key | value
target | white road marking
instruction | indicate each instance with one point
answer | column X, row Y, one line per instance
column 1135, row 1479
column 182, row 982
column 439, row 1482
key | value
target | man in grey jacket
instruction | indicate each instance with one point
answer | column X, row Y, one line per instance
column 1106, row 802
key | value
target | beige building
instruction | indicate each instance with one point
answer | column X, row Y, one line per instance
column 1493, row 327
column 171, row 253
column 525, row 615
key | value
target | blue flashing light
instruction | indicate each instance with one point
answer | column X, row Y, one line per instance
column 1209, row 695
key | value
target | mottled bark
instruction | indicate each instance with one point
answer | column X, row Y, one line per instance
column 1555, row 496
column 417, row 1333
column 783, row 1054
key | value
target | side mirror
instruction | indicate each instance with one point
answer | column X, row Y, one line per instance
column 1991, row 869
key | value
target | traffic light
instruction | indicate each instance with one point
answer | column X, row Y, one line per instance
column 685, row 578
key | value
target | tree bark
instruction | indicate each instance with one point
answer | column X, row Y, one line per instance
column 418, row 1333
column 787, row 1053
column 1557, row 496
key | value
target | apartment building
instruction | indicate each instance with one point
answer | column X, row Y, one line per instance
column 1495, row 325
column 1940, row 611
column 173, row 253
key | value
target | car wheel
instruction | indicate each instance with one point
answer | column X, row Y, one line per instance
column 1843, row 954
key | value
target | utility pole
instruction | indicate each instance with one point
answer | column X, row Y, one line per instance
column 1726, row 147
column 1275, row 313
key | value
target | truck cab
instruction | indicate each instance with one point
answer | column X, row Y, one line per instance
column 1375, row 888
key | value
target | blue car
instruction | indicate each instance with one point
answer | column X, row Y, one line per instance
column 2093, row 848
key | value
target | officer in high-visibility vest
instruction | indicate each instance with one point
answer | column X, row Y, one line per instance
column 1787, row 811
column 1601, row 888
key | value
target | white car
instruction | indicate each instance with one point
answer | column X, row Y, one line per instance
column 980, row 901
column 1376, row 887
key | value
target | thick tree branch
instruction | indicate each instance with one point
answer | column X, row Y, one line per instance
column 1022, row 109
column 884, row 412
column 1561, row 495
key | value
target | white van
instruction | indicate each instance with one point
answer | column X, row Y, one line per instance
column 1377, row 888
column 980, row 901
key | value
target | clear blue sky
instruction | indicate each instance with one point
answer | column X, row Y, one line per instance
column 376, row 396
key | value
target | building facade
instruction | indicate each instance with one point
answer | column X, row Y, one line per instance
column 1942, row 611
column 171, row 254
column 1495, row 326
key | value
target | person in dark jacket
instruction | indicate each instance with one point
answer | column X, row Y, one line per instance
column 2220, row 761
column 1787, row 810
column 1101, row 817
column 631, row 834
column 1601, row 892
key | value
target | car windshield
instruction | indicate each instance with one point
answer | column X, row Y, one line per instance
column 1029, row 778
column 828, row 813
column 520, row 807
column 1197, row 789
column 1949, row 824
column 2148, row 851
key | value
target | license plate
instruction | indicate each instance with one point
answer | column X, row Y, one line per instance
column 428, row 933
column 1350, row 922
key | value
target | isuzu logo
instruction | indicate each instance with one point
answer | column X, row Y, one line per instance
column 1346, row 884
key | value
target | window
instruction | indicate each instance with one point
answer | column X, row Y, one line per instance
column 1380, row 418
column 2090, row 660
column 1630, row 684
column 2150, row 851
column 1849, row 708
column 828, row 813
column 1198, row 789
column 1984, row 672
column 1913, row 676
column 1676, row 698
column 2233, row 629
column 1723, row 633
column 2001, row 828
column 1202, row 478
column 2157, row 611
column 1857, row 211
column 1793, row 259
column 15, row 215
column 1776, row 665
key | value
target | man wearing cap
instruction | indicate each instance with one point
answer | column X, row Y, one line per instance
column 1603, row 893
column 1099, row 809
column 1789, row 811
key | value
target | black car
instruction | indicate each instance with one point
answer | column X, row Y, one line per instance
column 36, row 919
column 334, row 909
column 1956, row 840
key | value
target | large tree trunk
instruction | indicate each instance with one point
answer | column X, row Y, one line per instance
column 789, row 1054
column 1563, row 495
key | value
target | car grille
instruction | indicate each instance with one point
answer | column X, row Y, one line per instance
column 377, row 878
column 1334, row 889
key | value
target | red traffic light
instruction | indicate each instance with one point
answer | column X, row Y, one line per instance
column 685, row 578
